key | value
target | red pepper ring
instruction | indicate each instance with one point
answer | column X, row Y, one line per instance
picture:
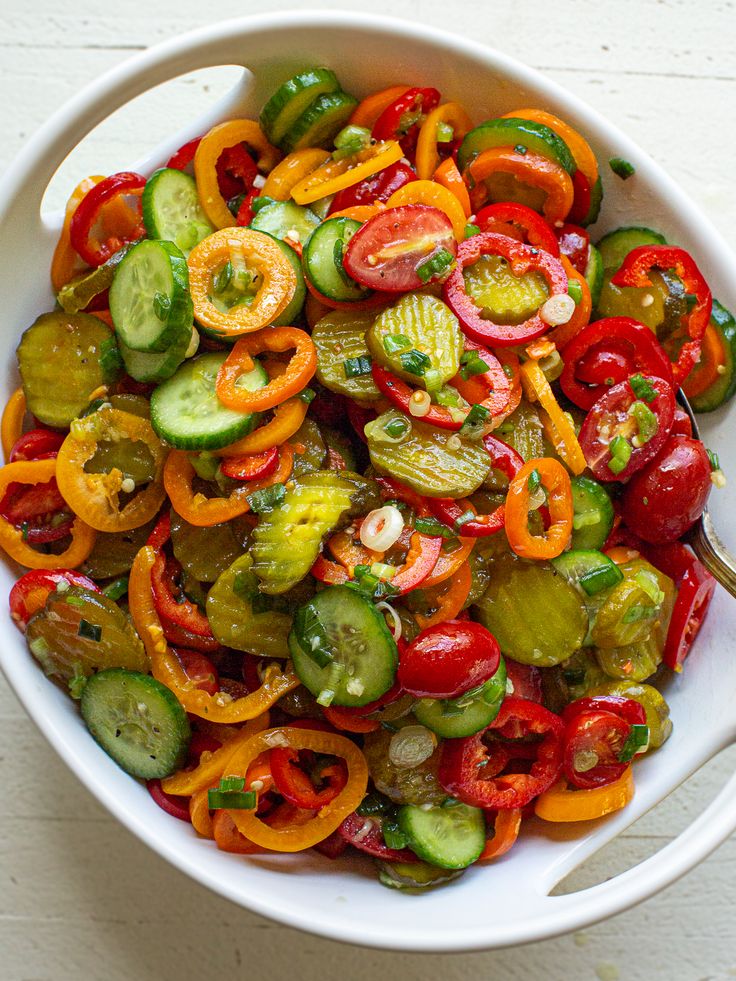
column 84, row 218
column 35, row 507
column 523, row 259
column 36, row 444
column 296, row 786
column 538, row 232
column 184, row 155
column 251, row 466
column 397, row 391
column 622, row 347
column 391, row 124
column 180, row 611
column 421, row 558
column 634, row 272
column 462, row 761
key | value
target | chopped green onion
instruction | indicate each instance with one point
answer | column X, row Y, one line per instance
column 642, row 389
column 602, row 577
column 77, row 681
column 72, row 600
column 447, row 396
column 161, row 305
column 713, row 460
column 351, row 140
column 260, row 202
column 232, row 800
column 646, row 420
column 116, row 589
column 575, row 290
column 334, row 676
column 229, row 784
column 432, row 380
column 24, row 529
column 383, row 571
column 436, row 264
column 393, row 836
column 266, row 499
column 520, row 148
column 586, row 519
column 648, row 582
column 445, row 133
column 222, row 280
column 620, row 450
column 450, row 545
column 338, row 256
column 90, row 631
column 464, row 518
column 395, row 342
column 471, row 364
column 534, row 481
column 415, row 362
column 316, row 645
column 355, row 367
column 307, row 395
column 397, row 427
column 431, row 526
column 637, row 742
column 621, row 168
column 471, row 229
column 474, row 421
column 372, row 805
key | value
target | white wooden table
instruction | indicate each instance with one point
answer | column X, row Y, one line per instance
column 79, row 897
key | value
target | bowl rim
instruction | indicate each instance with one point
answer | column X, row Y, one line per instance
column 627, row 889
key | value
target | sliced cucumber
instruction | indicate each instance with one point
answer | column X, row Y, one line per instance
column 589, row 569
column 137, row 721
column 292, row 98
column 185, row 410
column 281, row 217
column 294, row 309
column 596, row 200
column 322, row 259
column 455, row 718
column 593, row 513
column 320, row 122
column 451, row 836
column 413, row 877
column 594, row 274
column 172, row 211
column 724, row 387
column 615, row 246
column 147, row 366
column 149, row 297
column 516, row 132
column 342, row 649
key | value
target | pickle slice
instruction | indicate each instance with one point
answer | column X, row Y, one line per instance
column 113, row 552
column 205, row 553
column 312, row 458
column 339, row 338
column 509, row 299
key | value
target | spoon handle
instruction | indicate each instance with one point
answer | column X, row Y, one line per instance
column 713, row 553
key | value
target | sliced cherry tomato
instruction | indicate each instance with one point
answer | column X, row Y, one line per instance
column 333, row 846
column 364, row 833
column 30, row 592
column 400, row 121
column 296, row 786
column 379, row 187
column 606, row 352
column 575, row 244
column 37, row 444
column 177, row 807
column 626, row 708
column 593, row 744
column 448, row 659
column 471, row 770
column 199, row 669
column 695, row 588
column 666, row 498
column 387, row 253
column 39, row 510
column 682, row 426
column 622, row 433
column 251, row 466
column 506, row 217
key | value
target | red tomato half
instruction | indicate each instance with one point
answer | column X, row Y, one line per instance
column 610, row 418
column 37, row 444
column 669, row 495
column 593, row 744
column 30, row 592
column 448, row 659
column 385, row 252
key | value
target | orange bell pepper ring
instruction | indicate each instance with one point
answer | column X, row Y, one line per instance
column 450, row 177
column 95, row 496
column 529, row 168
column 291, row 170
column 287, row 419
column 450, row 562
column 450, row 596
column 11, row 538
column 563, row 334
column 242, row 247
column 207, row 511
column 166, row 667
column 367, row 112
column 65, row 263
column 211, row 145
column 434, row 195
column 560, row 804
column 555, row 480
column 506, row 828
column 335, row 175
column 450, row 114
column 579, row 147
column 299, row 370
column 11, row 426
column 558, row 426
column 296, row 836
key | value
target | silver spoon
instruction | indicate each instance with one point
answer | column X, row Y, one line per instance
column 702, row 536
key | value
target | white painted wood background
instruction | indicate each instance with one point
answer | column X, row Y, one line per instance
column 80, row 898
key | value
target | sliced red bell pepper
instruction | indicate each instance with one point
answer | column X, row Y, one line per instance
column 184, row 155
column 251, row 466
column 39, row 510
column 607, row 352
column 360, row 416
column 379, row 187
column 421, row 558
column 634, row 272
column 174, row 806
column 497, row 218
column 574, row 242
column 397, row 391
column 296, row 786
column 161, row 531
column 469, row 771
column 179, row 637
column 400, row 120
column 37, row 444
column 171, row 601
column 523, row 259
column 236, row 171
column 30, row 592
column 85, row 217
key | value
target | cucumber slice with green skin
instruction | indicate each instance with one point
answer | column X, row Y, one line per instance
column 281, row 217
column 322, row 260
column 593, row 513
column 185, row 410
column 342, row 649
column 137, row 721
column 292, row 98
column 596, row 199
column 171, row 209
column 293, row 310
column 594, row 274
column 455, row 718
column 615, row 246
column 589, row 569
column 151, row 367
column 516, row 132
column 451, row 836
column 320, row 122
column 149, row 297
column 724, row 387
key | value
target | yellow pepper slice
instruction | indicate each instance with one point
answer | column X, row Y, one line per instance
column 241, row 247
column 558, row 427
column 95, row 496
column 219, row 138
column 11, row 538
column 287, row 419
column 560, row 804
column 291, row 171
column 335, row 175
column 11, row 426
column 436, row 196
column 167, row 668
column 296, row 837
column 449, row 113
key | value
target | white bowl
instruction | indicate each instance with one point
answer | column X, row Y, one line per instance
column 507, row 902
